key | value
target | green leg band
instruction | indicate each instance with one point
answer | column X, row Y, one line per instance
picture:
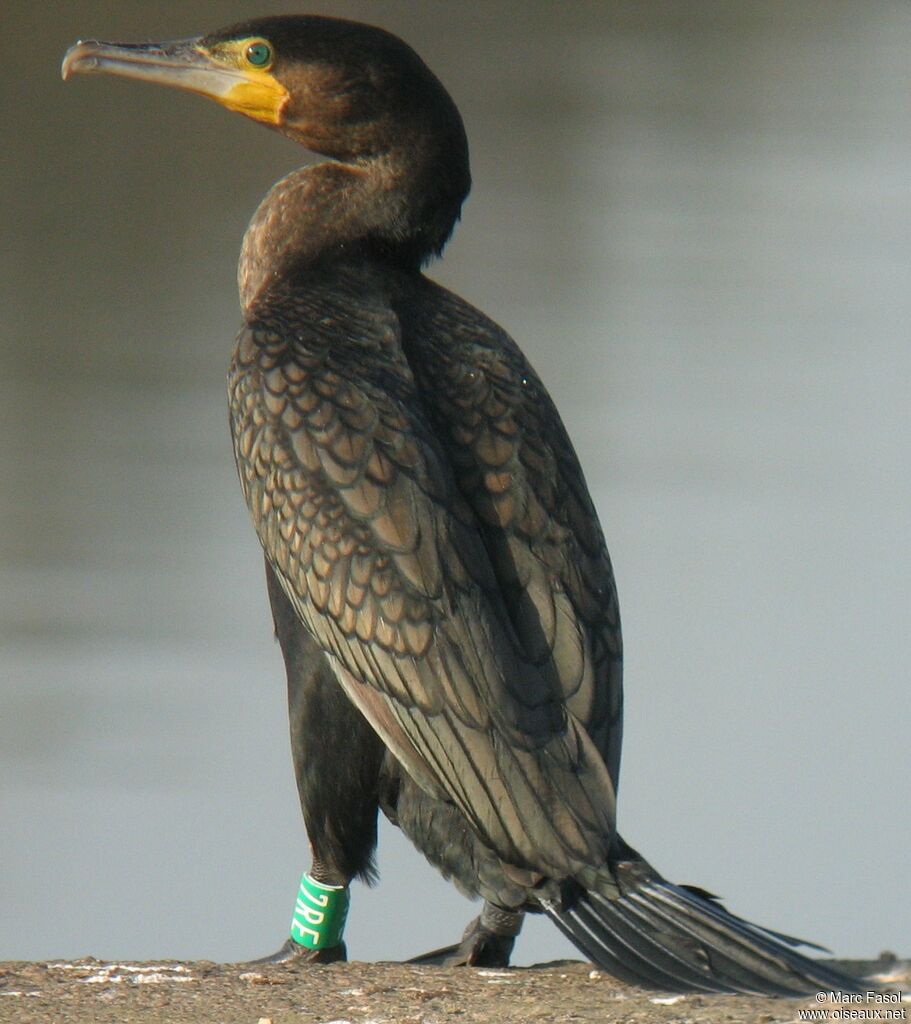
column 319, row 914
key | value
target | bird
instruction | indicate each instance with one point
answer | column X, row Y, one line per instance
column 440, row 585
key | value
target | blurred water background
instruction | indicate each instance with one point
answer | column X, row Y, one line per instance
column 696, row 219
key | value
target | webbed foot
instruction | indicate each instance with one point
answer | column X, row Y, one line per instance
column 487, row 942
column 294, row 952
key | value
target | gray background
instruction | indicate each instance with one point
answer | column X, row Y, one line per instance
column 695, row 218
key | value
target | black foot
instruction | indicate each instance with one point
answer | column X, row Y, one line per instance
column 480, row 947
column 294, row 952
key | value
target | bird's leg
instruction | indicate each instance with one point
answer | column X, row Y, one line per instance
column 319, row 918
column 337, row 758
column 489, row 938
column 439, row 830
column 487, row 941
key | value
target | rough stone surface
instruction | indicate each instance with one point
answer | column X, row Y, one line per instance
column 168, row 992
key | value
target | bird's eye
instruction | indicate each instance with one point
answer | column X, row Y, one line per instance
column 259, row 54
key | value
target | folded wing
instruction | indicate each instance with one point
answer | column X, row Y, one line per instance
column 359, row 513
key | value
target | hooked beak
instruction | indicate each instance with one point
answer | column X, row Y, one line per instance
column 184, row 64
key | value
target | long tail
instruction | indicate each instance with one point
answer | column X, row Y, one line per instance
column 678, row 939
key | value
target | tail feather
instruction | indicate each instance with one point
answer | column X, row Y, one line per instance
column 791, row 940
column 669, row 937
column 599, row 946
column 668, row 967
column 742, row 960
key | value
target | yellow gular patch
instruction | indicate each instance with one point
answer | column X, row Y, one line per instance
column 261, row 97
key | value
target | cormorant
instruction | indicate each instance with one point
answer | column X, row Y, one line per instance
column 438, row 578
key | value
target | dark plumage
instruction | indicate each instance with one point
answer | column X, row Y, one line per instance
column 439, row 581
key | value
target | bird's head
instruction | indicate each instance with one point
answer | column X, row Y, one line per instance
column 340, row 88
column 346, row 90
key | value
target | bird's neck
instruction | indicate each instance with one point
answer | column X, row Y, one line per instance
column 382, row 205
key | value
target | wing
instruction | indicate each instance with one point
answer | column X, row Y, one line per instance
column 518, row 471
column 359, row 514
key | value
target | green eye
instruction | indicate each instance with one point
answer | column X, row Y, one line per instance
column 259, row 54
